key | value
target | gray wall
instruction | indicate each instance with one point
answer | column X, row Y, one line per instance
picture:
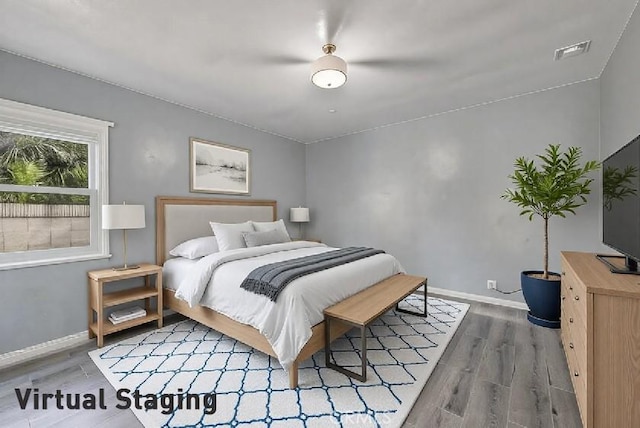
column 148, row 157
column 428, row 191
column 620, row 91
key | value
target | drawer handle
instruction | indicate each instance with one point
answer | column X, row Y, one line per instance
column 571, row 320
column 570, row 287
column 577, row 297
column 576, row 374
column 563, row 297
column 571, row 345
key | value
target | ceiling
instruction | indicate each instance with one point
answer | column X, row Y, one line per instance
column 248, row 60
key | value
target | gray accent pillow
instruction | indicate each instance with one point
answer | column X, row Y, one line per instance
column 255, row 239
column 265, row 226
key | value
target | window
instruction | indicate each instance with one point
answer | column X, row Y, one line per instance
column 53, row 183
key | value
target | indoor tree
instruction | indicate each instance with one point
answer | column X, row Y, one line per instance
column 555, row 187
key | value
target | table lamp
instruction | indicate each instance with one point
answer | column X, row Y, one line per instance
column 123, row 217
column 299, row 215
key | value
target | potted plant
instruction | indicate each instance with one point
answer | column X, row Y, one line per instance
column 555, row 187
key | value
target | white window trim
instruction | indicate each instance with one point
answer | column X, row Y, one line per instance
column 24, row 118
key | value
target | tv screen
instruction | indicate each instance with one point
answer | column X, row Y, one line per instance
column 621, row 202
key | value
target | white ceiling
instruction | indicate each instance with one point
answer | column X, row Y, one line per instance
column 248, row 60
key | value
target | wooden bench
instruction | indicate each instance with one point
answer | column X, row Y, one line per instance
column 366, row 306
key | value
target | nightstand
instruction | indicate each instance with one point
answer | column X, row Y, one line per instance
column 99, row 299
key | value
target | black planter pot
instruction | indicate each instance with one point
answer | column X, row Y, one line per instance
column 543, row 298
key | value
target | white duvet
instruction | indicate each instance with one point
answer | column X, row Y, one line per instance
column 214, row 282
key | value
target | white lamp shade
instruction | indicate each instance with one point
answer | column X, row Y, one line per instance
column 123, row 217
column 299, row 215
column 329, row 72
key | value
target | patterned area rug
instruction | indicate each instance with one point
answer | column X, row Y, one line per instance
column 252, row 389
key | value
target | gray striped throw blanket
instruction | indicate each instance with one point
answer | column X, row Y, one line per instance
column 271, row 279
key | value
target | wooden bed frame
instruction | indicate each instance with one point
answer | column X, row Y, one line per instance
column 215, row 320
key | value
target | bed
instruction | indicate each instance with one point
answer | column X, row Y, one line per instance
column 184, row 218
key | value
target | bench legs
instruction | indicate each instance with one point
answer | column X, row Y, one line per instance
column 363, row 337
column 424, row 307
column 327, row 352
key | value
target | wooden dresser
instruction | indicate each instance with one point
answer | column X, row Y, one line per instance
column 601, row 339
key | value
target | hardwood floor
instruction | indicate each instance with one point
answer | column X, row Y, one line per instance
column 498, row 371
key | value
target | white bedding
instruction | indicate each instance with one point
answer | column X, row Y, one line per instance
column 175, row 270
column 214, row 282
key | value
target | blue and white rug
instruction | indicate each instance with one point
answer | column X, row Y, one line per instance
column 252, row 389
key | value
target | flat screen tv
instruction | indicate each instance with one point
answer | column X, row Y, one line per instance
column 621, row 205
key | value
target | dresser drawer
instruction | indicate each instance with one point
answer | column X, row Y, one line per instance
column 579, row 381
column 569, row 315
column 575, row 341
column 574, row 336
column 565, row 325
column 574, row 295
column 579, row 342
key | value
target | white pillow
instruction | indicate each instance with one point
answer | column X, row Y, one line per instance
column 229, row 235
column 265, row 226
column 255, row 239
column 196, row 248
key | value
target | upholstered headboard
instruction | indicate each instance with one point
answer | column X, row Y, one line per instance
column 181, row 218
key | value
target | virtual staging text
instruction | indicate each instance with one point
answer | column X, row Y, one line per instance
column 126, row 399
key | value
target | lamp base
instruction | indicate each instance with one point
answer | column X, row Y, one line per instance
column 126, row 268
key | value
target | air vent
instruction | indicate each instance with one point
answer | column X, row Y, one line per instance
column 573, row 50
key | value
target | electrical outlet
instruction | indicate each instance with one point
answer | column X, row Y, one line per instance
column 492, row 284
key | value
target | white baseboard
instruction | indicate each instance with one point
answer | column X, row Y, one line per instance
column 479, row 298
column 22, row 355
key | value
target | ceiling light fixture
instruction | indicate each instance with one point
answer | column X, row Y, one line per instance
column 329, row 71
column 573, row 50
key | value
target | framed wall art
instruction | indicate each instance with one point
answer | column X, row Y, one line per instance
column 218, row 168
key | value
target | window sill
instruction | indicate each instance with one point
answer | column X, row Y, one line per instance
column 52, row 261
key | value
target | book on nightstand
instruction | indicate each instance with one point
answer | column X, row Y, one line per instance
column 117, row 317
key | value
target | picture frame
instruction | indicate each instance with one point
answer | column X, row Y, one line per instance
column 218, row 168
